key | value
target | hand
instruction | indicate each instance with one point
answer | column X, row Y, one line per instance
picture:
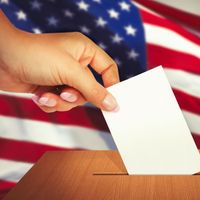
column 40, row 63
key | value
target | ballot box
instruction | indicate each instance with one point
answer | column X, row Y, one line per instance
column 92, row 175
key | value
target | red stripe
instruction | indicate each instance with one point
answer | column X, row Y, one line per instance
column 187, row 102
column 178, row 15
column 158, row 55
column 5, row 187
column 25, row 151
column 196, row 138
column 166, row 23
column 24, row 108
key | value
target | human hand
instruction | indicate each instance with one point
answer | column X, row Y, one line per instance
column 40, row 63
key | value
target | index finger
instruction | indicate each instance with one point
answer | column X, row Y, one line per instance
column 104, row 65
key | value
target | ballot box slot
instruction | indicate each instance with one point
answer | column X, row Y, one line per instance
column 126, row 174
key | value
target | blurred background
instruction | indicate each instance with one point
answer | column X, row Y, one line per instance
column 139, row 35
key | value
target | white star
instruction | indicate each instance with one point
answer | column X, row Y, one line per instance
column 36, row 30
column 36, row 5
column 133, row 55
column 101, row 22
column 118, row 61
column 124, row 6
column 97, row 1
column 117, row 39
column 4, row 1
column 83, row 6
column 85, row 29
column 102, row 45
column 52, row 21
column 130, row 30
column 113, row 14
column 68, row 13
column 21, row 15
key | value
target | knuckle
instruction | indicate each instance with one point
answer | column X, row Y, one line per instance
column 115, row 71
column 79, row 35
column 113, row 66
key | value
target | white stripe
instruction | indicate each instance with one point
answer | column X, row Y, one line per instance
column 169, row 39
column 193, row 121
column 141, row 7
column 191, row 6
column 13, row 170
column 184, row 81
column 53, row 134
column 24, row 95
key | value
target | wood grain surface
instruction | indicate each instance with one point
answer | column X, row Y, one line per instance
column 93, row 175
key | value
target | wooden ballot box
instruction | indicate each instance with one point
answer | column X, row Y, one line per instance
column 92, row 175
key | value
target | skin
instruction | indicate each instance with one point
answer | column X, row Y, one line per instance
column 39, row 63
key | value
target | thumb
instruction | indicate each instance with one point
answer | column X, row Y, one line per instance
column 83, row 80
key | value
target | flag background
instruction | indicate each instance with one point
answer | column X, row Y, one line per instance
column 139, row 37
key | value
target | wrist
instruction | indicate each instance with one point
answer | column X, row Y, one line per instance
column 8, row 34
column 12, row 42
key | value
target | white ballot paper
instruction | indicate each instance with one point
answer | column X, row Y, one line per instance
column 149, row 129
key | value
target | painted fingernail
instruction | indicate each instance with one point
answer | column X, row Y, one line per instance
column 110, row 104
column 67, row 96
column 45, row 101
column 35, row 98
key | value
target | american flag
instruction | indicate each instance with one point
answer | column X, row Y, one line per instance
column 127, row 31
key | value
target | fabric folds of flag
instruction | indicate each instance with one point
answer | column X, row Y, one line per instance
column 118, row 27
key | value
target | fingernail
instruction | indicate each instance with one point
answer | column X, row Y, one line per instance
column 35, row 98
column 116, row 109
column 110, row 104
column 47, row 102
column 68, row 96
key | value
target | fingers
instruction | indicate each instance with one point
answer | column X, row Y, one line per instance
column 100, row 61
column 105, row 65
column 71, row 95
column 69, row 71
column 91, row 89
column 51, row 102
